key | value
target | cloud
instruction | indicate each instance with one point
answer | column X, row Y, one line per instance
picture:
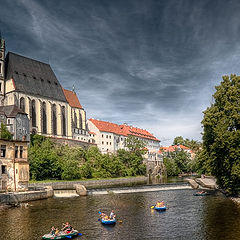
column 153, row 64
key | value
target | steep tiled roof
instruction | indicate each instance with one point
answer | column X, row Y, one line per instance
column 124, row 129
column 138, row 132
column 104, row 126
column 11, row 110
column 72, row 98
column 33, row 77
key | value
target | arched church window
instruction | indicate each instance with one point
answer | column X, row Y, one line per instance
column 22, row 104
column 63, row 122
column 80, row 120
column 54, row 120
column 33, row 114
column 74, row 119
column 44, row 118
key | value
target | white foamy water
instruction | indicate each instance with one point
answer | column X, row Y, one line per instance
column 136, row 190
column 65, row 193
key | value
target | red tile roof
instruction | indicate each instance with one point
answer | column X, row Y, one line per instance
column 92, row 133
column 174, row 148
column 124, row 129
column 72, row 98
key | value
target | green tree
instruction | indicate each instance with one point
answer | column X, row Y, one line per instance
column 178, row 140
column 135, row 145
column 5, row 134
column 221, row 135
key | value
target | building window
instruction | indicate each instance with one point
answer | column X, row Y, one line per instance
column 0, row 67
column 74, row 119
column 21, row 151
column 106, row 136
column 4, row 169
column 110, row 136
column 63, row 122
column 9, row 121
column 107, row 143
column 33, row 113
column 110, row 143
column 102, row 143
column 102, row 135
column 80, row 120
column 44, row 118
column 22, row 104
column 54, row 120
column 3, row 150
column 16, row 151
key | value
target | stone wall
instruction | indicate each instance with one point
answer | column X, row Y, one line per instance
column 18, row 197
column 72, row 143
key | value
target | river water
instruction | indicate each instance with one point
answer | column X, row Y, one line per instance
column 187, row 217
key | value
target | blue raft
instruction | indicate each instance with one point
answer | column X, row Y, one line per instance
column 160, row 208
column 109, row 221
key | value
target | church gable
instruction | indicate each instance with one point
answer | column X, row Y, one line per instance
column 33, row 77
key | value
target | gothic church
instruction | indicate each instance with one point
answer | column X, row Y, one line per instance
column 33, row 87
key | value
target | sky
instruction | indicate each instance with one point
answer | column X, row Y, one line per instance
column 152, row 64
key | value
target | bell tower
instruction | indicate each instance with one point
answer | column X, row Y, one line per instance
column 2, row 69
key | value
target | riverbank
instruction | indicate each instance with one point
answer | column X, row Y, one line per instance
column 91, row 183
column 43, row 190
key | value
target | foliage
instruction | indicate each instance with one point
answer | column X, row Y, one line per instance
column 48, row 160
column 5, row 134
column 177, row 162
column 192, row 144
column 221, row 136
column 135, row 145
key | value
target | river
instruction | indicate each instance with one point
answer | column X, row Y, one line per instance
column 187, row 217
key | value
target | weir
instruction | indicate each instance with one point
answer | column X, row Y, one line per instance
column 151, row 188
column 65, row 193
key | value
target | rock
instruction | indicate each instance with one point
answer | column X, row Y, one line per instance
column 193, row 183
column 81, row 190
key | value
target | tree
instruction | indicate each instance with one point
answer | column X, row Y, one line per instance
column 5, row 134
column 178, row 140
column 135, row 145
column 221, row 135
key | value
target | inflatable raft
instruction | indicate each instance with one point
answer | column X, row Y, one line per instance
column 61, row 235
column 201, row 194
column 108, row 221
column 163, row 208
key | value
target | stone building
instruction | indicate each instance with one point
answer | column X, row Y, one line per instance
column 32, row 86
column 14, row 167
column 110, row 137
column 16, row 122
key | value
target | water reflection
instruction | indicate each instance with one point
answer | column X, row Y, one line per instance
column 188, row 217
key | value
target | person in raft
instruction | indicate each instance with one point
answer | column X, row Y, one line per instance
column 56, row 232
column 159, row 204
column 112, row 215
column 67, row 228
column 53, row 231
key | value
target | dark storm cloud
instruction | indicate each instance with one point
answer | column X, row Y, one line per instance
column 151, row 63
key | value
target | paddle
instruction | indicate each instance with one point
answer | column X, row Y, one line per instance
column 68, row 236
column 79, row 234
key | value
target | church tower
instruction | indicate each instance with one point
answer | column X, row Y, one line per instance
column 2, row 69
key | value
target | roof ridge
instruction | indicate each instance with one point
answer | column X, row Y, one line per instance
column 32, row 59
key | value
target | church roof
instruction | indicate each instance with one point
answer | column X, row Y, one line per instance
column 33, row 77
column 72, row 98
column 11, row 110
